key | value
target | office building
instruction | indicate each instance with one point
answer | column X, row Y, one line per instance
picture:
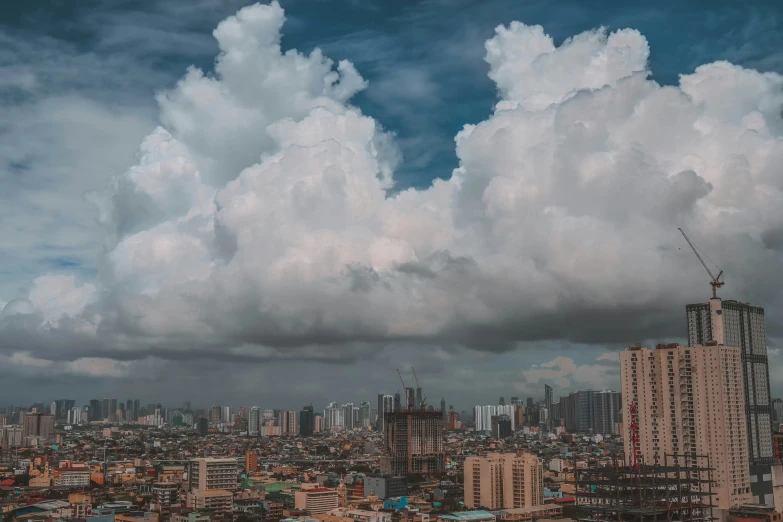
column 689, row 400
column 364, row 415
column 413, row 441
column 213, row 473
column 731, row 323
column 501, row 426
column 385, row 405
column 319, row 424
column 548, row 406
column 105, row 408
column 504, row 481
column 385, row 485
column 316, row 500
column 397, row 401
column 307, row 421
column 443, row 409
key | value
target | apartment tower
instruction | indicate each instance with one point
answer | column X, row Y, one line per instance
column 689, row 401
column 731, row 323
column 504, row 481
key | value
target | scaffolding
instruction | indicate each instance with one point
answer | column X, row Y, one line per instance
column 680, row 490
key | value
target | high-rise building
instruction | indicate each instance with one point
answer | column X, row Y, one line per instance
column 38, row 425
column 731, row 323
column 105, row 405
column 501, row 426
column 385, row 405
column 443, row 409
column 397, row 401
column 413, row 442
column 515, row 401
column 254, row 421
column 410, row 395
column 777, row 413
column 334, row 416
column 213, row 474
column 689, row 400
column 319, row 424
column 419, row 398
column 504, row 481
column 364, row 414
column 548, row 406
column 348, row 416
column 482, row 417
column 502, row 401
column 307, row 421
column 214, row 415
column 95, row 410
column 291, row 426
column 113, row 409
column 226, row 414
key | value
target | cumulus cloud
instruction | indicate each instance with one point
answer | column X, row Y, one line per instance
column 259, row 217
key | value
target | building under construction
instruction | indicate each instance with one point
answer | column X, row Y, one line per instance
column 678, row 490
column 413, row 436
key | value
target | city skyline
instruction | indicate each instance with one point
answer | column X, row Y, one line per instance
column 430, row 192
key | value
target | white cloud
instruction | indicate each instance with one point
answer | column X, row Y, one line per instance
column 258, row 214
column 566, row 375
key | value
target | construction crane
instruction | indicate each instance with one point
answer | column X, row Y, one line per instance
column 418, row 389
column 716, row 282
column 405, row 391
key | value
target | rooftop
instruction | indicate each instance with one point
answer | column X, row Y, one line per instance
column 468, row 515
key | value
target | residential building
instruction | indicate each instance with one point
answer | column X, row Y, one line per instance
column 731, row 323
column 165, row 495
column 73, row 478
column 689, row 400
column 316, row 500
column 251, row 461
column 504, row 481
column 213, row 474
column 254, row 421
column 218, row 500
column 413, row 442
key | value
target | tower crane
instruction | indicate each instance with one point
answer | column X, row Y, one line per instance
column 716, row 281
column 405, row 390
column 418, row 387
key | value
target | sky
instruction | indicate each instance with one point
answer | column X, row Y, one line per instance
column 279, row 204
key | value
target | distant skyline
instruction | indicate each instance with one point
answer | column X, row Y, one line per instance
column 276, row 203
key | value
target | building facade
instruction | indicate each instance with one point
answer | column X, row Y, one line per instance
column 504, row 481
column 731, row 323
column 316, row 500
column 213, row 474
column 689, row 400
column 413, row 442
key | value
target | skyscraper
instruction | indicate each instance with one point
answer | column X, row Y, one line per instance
column 214, row 415
column 95, row 410
column 113, row 409
column 731, row 323
column 548, row 406
column 105, row 408
column 413, row 441
column 254, row 421
column 606, row 412
column 307, row 421
column 689, row 401
column 364, row 414
column 397, row 401
column 443, row 409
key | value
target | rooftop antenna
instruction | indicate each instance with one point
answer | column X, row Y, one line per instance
column 716, row 280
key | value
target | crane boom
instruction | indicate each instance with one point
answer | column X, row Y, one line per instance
column 716, row 282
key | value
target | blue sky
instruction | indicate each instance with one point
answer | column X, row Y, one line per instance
column 78, row 82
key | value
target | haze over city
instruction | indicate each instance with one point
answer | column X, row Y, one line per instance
column 281, row 203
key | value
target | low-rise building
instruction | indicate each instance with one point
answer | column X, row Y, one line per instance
column 316, row 500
